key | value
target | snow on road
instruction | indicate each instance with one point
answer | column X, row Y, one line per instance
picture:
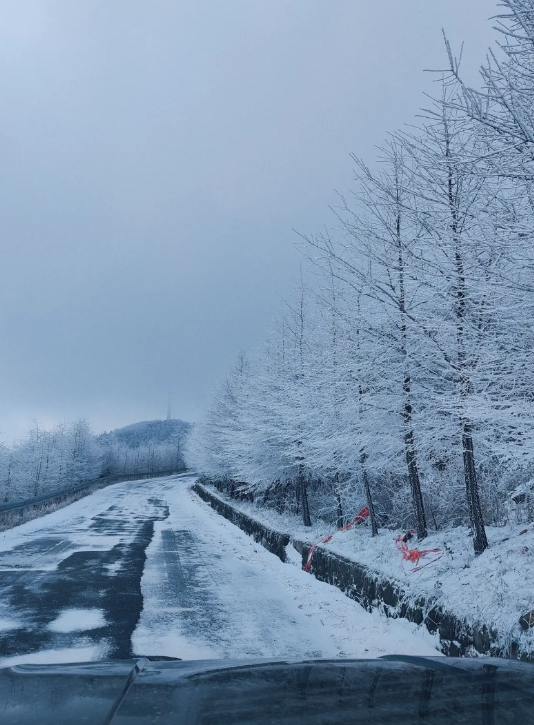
column 147, row 568
column 235, row 599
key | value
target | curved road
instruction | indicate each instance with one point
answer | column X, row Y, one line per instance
column 147, row 568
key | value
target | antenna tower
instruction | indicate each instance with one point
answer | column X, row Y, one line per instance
column 169, row 412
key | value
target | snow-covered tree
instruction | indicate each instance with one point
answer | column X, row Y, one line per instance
column 402, row 374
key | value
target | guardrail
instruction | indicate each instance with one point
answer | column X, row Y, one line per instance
column 17, row 512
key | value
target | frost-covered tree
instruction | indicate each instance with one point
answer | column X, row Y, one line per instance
column 403, row 376
column 48, row 460
column 373, row 257
column 456, row 256
column 503, row 106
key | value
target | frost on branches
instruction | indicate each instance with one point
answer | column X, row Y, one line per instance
column 64, row 456
column 403, row 377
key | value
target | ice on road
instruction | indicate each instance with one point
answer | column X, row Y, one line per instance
column 147, row 568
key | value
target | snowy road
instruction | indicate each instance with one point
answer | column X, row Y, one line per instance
column 147, row 568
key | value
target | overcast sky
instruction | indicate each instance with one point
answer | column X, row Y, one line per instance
column 155, row 158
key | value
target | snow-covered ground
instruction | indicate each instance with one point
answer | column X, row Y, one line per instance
column 147, row 568
column 238, row 600
column 495, row 588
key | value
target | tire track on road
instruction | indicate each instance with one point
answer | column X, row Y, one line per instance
column 102, row 574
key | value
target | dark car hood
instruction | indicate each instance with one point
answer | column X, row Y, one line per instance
column 388, row 690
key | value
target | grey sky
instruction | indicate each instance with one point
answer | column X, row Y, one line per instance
column 156, row 157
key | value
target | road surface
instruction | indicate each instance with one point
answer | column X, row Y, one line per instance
column 147, row 568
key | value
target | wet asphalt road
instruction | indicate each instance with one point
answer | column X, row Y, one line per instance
column 148, row 569
column 93, row 563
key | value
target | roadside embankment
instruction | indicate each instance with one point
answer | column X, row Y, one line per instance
column 440, row 608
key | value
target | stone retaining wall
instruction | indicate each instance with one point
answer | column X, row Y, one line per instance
column 273, row 541
column 372, row 590
column 375, row 592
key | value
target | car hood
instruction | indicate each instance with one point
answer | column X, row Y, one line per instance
column 393, row 689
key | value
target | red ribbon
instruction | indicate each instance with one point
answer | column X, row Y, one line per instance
column 360, row 518
column 414, row 556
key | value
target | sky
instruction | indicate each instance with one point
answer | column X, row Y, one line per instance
column 156, row 160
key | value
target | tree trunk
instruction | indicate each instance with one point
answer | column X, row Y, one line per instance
column 409, row 438
column 306, row 520
column 266, row 495
column 278, row 493
column 368, row 497
column 480, row 540
column 415, row 482
column 340, row 519
column 37, row 479
column 7, row 493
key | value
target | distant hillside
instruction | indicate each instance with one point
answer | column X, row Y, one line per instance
column 152, row 446
column 148, row 431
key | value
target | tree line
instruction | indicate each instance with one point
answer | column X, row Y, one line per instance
column 401, row 374
column 66, row 455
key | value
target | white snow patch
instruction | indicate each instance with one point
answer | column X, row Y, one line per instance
column 89, row 653
column 114, row 567
column 78, row 620
column 293, row 557
column 8, row 624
